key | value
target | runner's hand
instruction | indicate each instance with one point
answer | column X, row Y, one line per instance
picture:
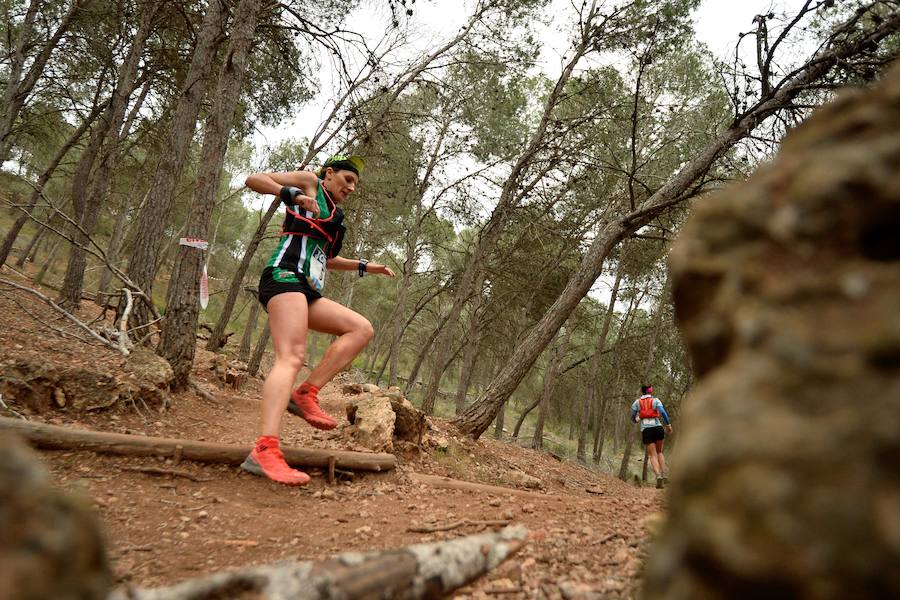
column 669, row 428
column 307, row 203
column 379, row 269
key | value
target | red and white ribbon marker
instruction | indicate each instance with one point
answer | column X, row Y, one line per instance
column 204, row 279
column 194, row 243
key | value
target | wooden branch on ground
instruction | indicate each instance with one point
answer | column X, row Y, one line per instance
column 172, row 472
column 62, row 438
column 419, row 571
column 455, row 484
column 457, row 525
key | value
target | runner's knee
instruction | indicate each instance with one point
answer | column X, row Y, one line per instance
column 293, row 359
column 365, row 329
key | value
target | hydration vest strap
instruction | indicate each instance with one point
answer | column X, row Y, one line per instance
column 309, row 222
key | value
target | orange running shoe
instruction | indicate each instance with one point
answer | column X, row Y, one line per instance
column 267, row 460
column 304, row 403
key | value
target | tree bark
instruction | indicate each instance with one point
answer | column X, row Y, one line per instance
column 426, row 348
column 154, row 217
column 178, row 343
column 63, row 438
column 676, row 190
column 499, row 422
column 252, row 320
column 259, row 350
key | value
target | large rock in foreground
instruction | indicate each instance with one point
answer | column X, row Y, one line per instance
column 50, row 542
column 787, row 289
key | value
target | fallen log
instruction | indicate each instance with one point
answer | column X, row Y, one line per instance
column 62, row 438
column 419, row 571
column 455, row 484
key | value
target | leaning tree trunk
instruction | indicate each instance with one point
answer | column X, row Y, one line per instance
column 478, row 417
column 154, row 218
column 178, row 342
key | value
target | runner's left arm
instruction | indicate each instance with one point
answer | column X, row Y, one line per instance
column 662, row 412
column 339, row 263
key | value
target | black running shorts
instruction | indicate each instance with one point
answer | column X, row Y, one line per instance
column 653, row 434
column 274, row 281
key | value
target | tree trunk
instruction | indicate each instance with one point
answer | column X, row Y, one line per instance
column 51, row 254
column 112, row 253
column 498, row 423
column 252, row 320
column 470, row 356
column 178, row 341
column 259, row 350
column 626, row 456
column 426, row 348
column 154, row 217
column 524, row 414
column 594, row 367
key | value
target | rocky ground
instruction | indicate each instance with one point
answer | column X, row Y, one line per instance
column 588, row 531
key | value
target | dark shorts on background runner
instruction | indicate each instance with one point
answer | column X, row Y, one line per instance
column 275, row 281
column 653, row 434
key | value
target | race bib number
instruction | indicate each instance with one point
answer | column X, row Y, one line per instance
column 652, row 421
column 316, row 275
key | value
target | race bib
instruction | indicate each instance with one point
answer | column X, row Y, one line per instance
column 652, row 421
column 316, row 277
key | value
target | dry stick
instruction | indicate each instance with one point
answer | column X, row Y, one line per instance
column 458, row 524
column 64, row 312
column 420, row 571
column 6, row 407
column 455, row 484
column 206, row 395
column 172, row 472
column 123, row 322
column 42, row 435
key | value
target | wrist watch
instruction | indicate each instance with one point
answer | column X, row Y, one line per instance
column 362, row 266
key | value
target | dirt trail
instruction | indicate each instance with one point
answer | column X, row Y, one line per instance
column 162, row 529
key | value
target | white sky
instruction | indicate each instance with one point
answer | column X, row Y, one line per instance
column 718, row 24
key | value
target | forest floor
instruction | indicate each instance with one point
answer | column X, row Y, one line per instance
column 163, row 529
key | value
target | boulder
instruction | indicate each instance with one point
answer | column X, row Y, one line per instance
column 410, row 423
column 50, row 540
column 520, row 479
column 787, row 289
column 372, row 423
column 44, row 387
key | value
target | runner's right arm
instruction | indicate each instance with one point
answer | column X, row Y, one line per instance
column 272, row 183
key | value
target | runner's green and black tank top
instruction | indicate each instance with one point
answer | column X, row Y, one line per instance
column 291, row 257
